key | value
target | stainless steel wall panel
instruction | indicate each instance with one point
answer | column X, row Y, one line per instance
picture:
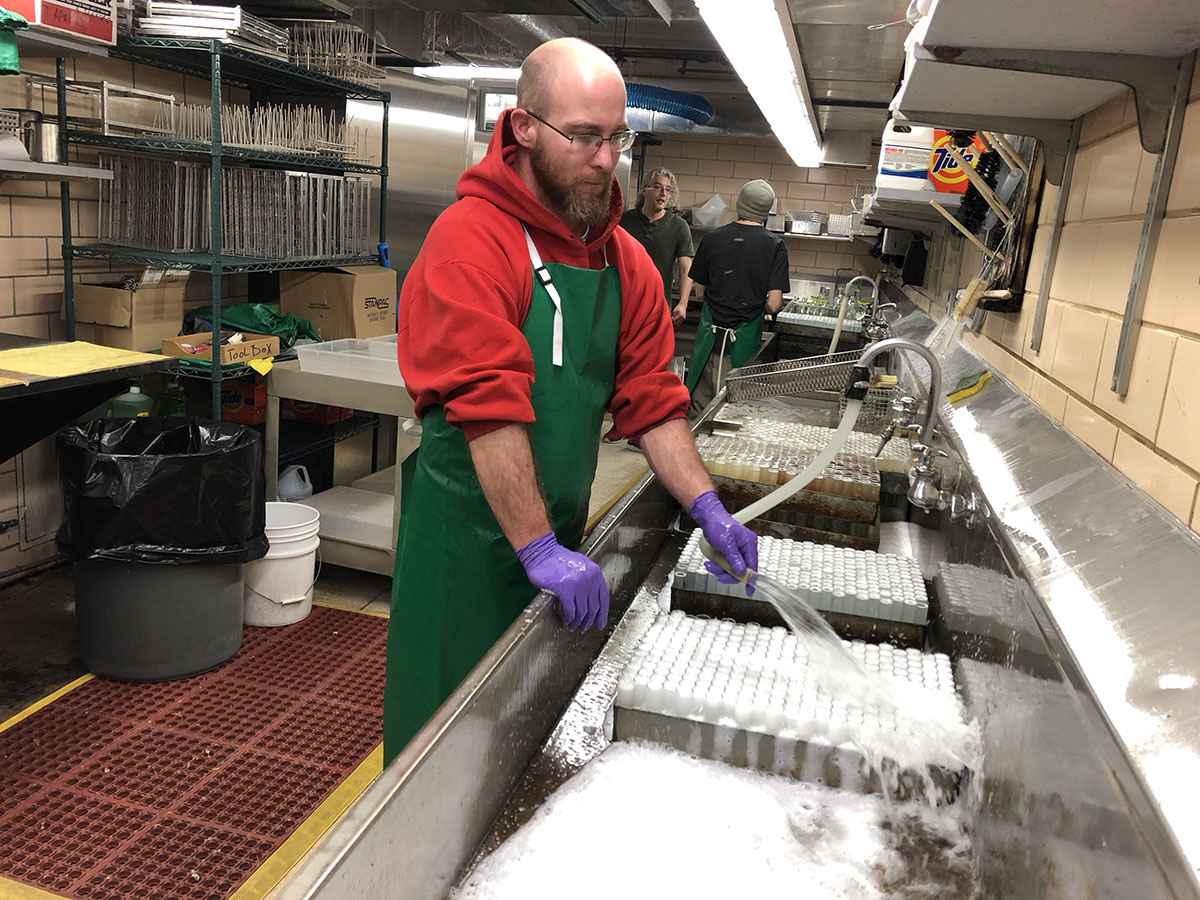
column 430, row 128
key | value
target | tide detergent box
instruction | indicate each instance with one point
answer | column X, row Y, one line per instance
column 944, row 171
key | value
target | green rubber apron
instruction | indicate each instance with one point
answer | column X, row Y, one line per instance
column 742, row 342
column 458, row 584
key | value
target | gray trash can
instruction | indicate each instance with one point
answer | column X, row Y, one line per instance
column 162, row 515
column 155, row 623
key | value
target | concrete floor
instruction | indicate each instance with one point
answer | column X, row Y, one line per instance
column 38, row 645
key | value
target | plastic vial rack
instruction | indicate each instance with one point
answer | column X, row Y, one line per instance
column 985, row 617
column 775, row 462
column 689, row 676
column 830, row 579
column 773, row 423
column 814, row 316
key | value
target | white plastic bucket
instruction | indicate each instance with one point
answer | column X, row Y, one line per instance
column 279, row 586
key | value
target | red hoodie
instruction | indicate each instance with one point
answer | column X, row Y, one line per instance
column 466, row 297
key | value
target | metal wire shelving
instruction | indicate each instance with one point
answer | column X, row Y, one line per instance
column 270, row 79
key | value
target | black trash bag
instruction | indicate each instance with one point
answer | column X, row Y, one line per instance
column 164, row 491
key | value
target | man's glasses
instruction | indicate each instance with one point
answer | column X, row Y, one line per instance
column 662, row 188
column 618, row 142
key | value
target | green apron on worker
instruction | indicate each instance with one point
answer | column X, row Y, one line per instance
column 741, row 345
column 458, row 584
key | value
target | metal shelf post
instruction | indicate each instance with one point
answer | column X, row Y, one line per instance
column 215, row 239
column 64, row 199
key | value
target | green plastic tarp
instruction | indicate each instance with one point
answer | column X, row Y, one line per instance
column 255, row 318
column 10, row 23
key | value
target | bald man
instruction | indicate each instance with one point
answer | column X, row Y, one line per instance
column 527, row 314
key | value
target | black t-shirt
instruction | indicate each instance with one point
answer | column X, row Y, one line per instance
column 738, row 264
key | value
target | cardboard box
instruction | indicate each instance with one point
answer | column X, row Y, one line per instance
column 320, row 413
column 91, row 20
column 346, row 302
column 198, row 346
column 140, row 319
column 244, row 400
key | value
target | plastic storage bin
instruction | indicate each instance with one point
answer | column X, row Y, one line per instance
column 355, row 516
column 381, row 482
column 370, row 359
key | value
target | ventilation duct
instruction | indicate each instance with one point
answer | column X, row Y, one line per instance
column 674, row 104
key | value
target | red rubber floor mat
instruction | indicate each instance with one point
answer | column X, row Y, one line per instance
column 181, row 790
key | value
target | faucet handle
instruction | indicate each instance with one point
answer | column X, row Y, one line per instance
column 970, row 507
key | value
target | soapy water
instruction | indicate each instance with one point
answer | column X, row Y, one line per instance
column 642, row 821
column 840, row 673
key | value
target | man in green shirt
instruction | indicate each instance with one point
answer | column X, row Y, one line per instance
column 664, row 234
column 666, row 237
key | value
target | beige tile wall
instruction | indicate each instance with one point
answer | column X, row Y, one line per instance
column 705, row 165
column 1152, row 434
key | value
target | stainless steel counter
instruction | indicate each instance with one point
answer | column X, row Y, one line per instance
column 1119, row 580
column 1112, row 585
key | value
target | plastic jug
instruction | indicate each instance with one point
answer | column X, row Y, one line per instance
column 131, row 404
column 904, row 157
column 294, row 484
column 173, row 400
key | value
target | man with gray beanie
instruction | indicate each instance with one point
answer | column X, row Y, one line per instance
column 740, row 271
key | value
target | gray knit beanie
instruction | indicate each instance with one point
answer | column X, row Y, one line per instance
column 755, row 201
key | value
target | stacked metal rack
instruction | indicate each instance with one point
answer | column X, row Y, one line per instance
column 341, row 239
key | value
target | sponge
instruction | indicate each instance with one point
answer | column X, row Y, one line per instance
column 969, row 385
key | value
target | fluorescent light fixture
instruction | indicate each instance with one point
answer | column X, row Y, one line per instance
column 760, row 43
column 468, row 73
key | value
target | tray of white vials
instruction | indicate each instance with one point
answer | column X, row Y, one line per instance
column 886, row 720
column 367, row 359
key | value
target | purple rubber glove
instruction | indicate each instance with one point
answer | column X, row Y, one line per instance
column 734, row 540
column 571, row 577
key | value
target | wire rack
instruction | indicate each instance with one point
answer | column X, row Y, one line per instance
column 828, row 372
column 876, row 408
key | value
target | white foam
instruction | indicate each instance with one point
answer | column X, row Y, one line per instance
column 641, row 821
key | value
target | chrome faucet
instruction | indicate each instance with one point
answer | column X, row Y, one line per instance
column 875, row 326
column 874, row 282
column 923, row 489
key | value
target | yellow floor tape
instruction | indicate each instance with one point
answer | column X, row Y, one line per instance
column 291, row 851
column 45, row 701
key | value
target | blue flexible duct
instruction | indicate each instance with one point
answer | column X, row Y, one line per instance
column 675, row 103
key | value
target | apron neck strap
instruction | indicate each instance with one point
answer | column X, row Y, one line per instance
column 547, row 281
column 543, row 275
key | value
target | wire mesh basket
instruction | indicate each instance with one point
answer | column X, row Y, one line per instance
column 828, row 372
column 10, row 122
column 861, row 189
column 877, row 407
column 839, row 224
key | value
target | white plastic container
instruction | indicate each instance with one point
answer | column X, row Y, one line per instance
column 355, row 516
column 294, row 484
column 279, row 587
column 372, row 359
column 381, row 482
column 904, row 157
